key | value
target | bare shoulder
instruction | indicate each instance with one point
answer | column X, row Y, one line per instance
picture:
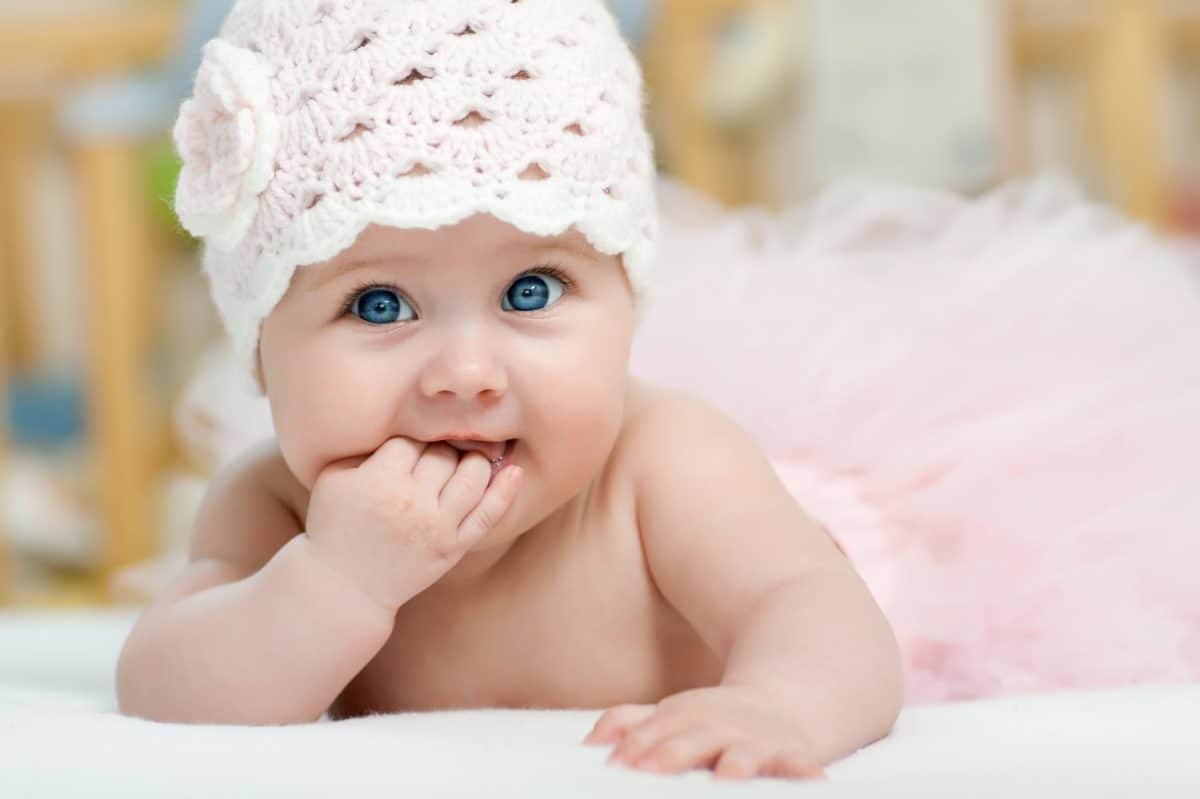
column 664, row 425
column 253, row 507
column 251, row 510
column 718, row 527
column 683, row 452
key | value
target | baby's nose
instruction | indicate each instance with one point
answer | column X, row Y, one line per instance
column 464, row 373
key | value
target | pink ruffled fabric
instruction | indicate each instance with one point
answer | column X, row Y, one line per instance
column 993, row 405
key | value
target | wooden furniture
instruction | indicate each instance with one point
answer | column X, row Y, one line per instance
column 57, row 45
column 1118, row 49
column 24, row 121
column 102, row 37
column 719, row 162
column 6, row 564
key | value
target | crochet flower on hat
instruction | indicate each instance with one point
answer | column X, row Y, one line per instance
column 228, row 136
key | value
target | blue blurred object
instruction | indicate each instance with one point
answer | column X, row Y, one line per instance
column 635, row 16
column 44, row 411
column 144, row 105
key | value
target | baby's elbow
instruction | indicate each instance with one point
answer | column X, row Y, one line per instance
column 147, row 692
column 143, row 691
column 135, row 697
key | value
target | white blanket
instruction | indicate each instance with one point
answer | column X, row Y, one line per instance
column 60, row 735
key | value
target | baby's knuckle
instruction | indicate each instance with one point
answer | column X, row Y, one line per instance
column 744, row 749
column 333, row 484
column 606, row 725
column 462, row 489
column 428, row 516
column 405, row 503
column 477, row 460
column 673, row 751
column 640, row 737
column 798, row 758
column 475, row 475
column 446, row 544
column 409, row 511
column 485, row 517
column 677, row 706
column 613, row 715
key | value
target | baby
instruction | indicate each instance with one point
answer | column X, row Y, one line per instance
column 428, row 230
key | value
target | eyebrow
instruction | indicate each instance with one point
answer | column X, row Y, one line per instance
column 564, row 243
column 346, row 267
column 560, row 243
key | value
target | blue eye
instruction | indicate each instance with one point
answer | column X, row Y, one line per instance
column 378, row 307
column 532, row 292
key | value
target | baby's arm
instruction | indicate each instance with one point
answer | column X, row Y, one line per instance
column 812, row 668
column 257, row 630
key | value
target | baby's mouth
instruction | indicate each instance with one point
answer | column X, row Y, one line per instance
column 498, row 452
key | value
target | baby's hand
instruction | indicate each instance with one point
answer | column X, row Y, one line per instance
column 397, row 521
column 737, row 731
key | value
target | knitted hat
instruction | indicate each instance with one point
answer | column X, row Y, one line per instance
column 312, row 119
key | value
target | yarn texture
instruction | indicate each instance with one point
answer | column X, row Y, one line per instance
column 312, row 119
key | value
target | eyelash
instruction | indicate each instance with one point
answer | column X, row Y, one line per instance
column 361, row 288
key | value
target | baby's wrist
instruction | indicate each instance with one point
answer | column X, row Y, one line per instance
column 318, row 567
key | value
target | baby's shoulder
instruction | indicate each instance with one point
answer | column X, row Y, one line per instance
column 666, row 425
column 252, row 508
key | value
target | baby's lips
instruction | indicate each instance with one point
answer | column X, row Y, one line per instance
column 492, row 450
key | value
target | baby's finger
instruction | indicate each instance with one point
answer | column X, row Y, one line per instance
column 696, row 746
column 397, row 454
column 794, row 763
column 435, row 466
column 612, row 725
column 496, row 501
column 465, row 487
column 741, row 760
column 345, row 464
column 641, row 738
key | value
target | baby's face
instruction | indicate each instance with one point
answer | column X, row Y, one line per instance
column 476, row 330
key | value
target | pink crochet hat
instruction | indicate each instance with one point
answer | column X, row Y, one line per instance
column 312, row 119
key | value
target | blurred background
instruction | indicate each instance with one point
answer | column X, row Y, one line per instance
column 105, row 315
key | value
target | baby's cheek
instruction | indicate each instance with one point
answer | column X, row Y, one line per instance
column 588, row 415
column 327, row 409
